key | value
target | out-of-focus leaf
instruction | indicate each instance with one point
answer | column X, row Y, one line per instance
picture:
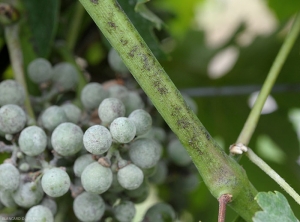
column 275, row 208
column 42, row 19
column 144, row 27
column 141, row 8
column 284, row 9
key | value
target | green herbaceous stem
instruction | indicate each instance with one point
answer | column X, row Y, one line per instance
column 220, row 173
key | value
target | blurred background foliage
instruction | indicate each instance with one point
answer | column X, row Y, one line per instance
column 217, row 51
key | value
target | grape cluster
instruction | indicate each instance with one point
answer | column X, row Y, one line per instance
column 106, row 154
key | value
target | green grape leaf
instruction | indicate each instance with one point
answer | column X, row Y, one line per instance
column 141, row 8
column 290, row 7
column 144, row 26
column 42, row 19
column 275, row 208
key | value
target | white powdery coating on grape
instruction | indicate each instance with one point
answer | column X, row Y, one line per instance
column 7, row 199
column 88, row 207
column 25, row 196
column 132, row 102
column 65, row 76
column 97, row 139
column 142, row 121
column 52, row 117
column 32, row 140
column 50, row 204
column 12, row 119
column 66, row 139
column 72, row 112
column 160, row 211
column 9, row 177
column 115, row 62
column 39, row 213
column 118, row 91
column 55, row 182
column 178, row 154
column 130, row 177
column 110, row 109
column 125, row 211
column 122, row 130
column 39, row 70
column 81, row 163
column 92, row 95
column 11, row 92
column 145, row 153
column 96, row 178
column 156, row 133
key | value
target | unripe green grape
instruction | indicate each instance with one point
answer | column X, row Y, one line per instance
column 28, row 194
column 24, row 167
column 72, row 112
column 142, row 121
column 178, row 154
column 92, row 95
column 81, row 163
column 156, row 133
column 39, row 213
column 115, row 185
column 160, row 173
column 110, row 109
column 66, row 139
column 97, row 139
column 65, row 76
column 130, row 177
column 50, row 204
column 140, row 194
column 132, row 102
column 122, row 130
column 12, row 119
column 149, row 171
column 11, row 92
column 115, row 62
column 39, row 70
column 96, row 178
column 9, row 177
column 33, row 140
column 55, row 182
column 118, row 91
column 88, row 207
column 125, row 211
column 7, row 199
column 160, row 212
column 52, row 117
column 145, row 153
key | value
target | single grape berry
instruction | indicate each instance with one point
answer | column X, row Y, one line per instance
column 97, row 139
column 160, row 212
column 32, row 140
column 139, row 194
column 110, row 109
column 72, row 112
column 12, row 119
column 65, row 76
column 115, row 62
column 66, row 139
column 81, row 163
column 52, row 117
column 96, row 178
column 125, row 211
column 88, row 207
column 55, row 182
column 130, row 177
column 39, row 70
column 142, row 121
column 50, row 204
column 145, row 153
column 9, row 177
column 156, row 133
column 118, row 91
column 11, row 92
column 160, row 174
column 178, row 154
column 92, row 95
column 7, row 199
column 132, row 102
column 28, row 194
column 39, row 213
column 123, row 130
